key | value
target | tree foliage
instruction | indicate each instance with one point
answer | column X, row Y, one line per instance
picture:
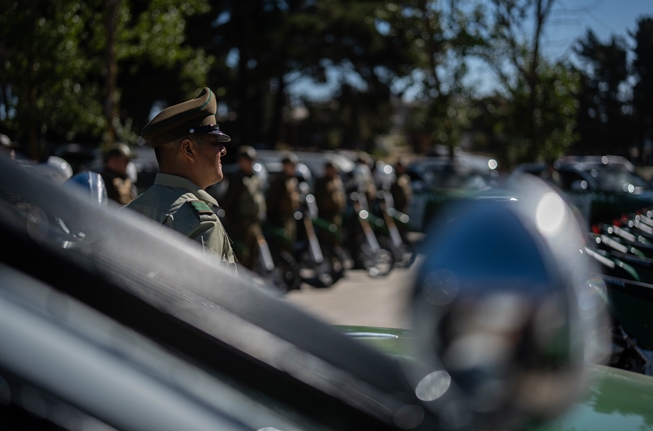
column 94, row 71
column 642, row 69
column 47, row 85
column 54, row 57
column 603, row 118
column 538, row 120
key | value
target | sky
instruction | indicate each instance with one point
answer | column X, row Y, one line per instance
column 570, row 21
column 572, row 18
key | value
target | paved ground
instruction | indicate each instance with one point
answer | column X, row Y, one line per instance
column 360, row 300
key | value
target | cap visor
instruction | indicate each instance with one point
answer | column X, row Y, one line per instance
column 220, row 136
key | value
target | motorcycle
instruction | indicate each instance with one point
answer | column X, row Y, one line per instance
column 304, row 260
column 403, row 251
column 627, row 278
column 320, row 266
column 368, row 251
column 277, row 264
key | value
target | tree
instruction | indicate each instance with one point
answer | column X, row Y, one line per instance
column 539, row 117
column 155, row 64
column 46, row 85
column 84, row 70
column 438, row 36
column 263, row 48
column 642, row 69
column 604, row 119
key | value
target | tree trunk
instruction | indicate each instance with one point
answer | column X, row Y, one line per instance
column 112, row 7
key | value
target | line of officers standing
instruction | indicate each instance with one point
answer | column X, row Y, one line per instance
column 247, row 205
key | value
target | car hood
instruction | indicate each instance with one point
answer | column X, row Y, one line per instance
column 614, row 400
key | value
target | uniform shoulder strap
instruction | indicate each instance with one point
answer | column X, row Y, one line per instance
column 201, row 207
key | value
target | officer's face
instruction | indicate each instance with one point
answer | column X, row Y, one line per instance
column 209, row 161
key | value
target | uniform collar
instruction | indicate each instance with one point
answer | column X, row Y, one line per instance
column 178, row 182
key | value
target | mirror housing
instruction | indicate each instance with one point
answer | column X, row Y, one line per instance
column 505, row 311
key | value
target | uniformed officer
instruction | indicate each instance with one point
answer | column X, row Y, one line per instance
column 120, row 187
column 362, row 180
column 330, row 198
column 282, row 200
column 401, row 188
column 188, row 145
column 244, row 205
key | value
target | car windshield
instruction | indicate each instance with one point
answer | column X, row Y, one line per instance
column 615, row 177
column 451, row 177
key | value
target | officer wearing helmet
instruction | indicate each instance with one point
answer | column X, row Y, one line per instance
column 245, row 208
column 120, row 187
column 188, row 146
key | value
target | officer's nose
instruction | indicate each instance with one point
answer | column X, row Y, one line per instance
column 223, row 150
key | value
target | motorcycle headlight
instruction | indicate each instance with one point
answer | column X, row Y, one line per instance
column 505, row 311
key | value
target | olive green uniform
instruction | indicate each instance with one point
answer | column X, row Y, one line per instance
column 181, row 205
column 402, row 192
column 245, row 205
column 330, row 200
column 120, row 188
column 282, row 201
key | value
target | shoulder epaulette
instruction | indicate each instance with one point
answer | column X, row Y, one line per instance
column 201, row 207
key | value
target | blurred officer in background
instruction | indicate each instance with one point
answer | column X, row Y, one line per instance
column 330, row 198
column 362, row 180
column 120, row 187
column 401, row 188
column 244, row 205
column 188, row 145
column 283, row 200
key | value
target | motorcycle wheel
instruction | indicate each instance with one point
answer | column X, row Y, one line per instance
column 379, row 263
column 404, row 255
column 285, row 274
column 318, row 275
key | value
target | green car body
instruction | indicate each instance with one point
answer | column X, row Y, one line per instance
column 614, row 400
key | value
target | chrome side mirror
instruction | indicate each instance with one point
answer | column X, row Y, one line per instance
column 505, row 312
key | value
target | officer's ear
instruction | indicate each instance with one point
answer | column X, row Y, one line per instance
column 187, row 148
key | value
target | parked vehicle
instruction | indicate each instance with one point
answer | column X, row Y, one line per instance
column 602, row 188
column 314, row 161
column 626, row 265
column 437, row 180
